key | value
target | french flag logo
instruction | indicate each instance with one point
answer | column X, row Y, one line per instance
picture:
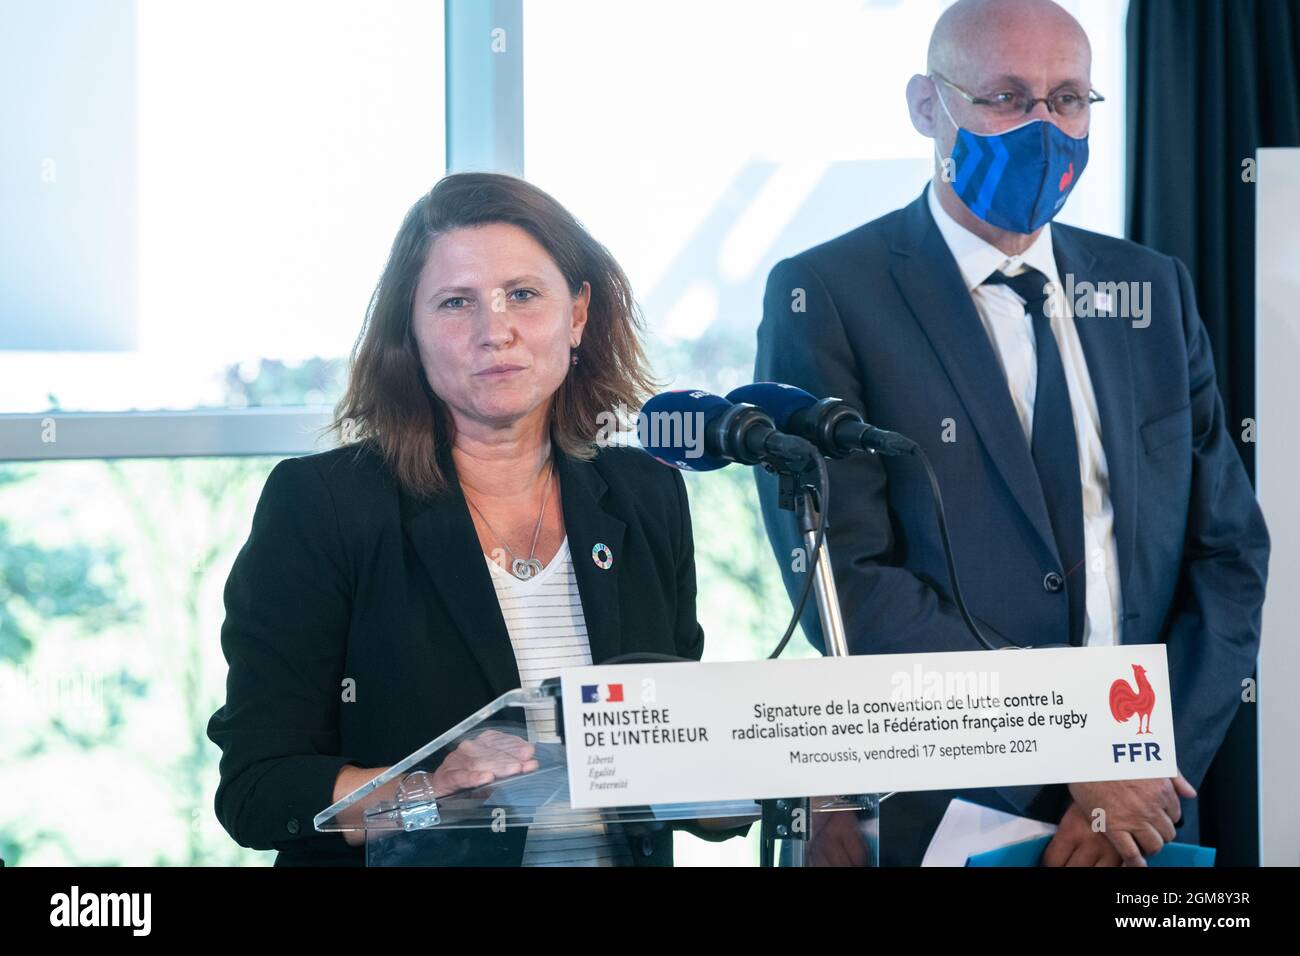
column 602, row 693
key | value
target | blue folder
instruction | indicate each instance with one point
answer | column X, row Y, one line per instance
column 1030, row 852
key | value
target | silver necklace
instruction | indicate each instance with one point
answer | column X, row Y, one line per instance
column 523, row 568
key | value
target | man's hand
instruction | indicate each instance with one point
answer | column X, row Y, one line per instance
column 1139, row 814
column 1077, row 844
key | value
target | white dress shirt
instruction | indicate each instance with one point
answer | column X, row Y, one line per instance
column 1011, row 331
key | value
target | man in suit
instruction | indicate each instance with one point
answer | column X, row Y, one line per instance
column 1061, row 382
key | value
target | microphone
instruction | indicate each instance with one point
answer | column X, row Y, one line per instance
column 832, row 424
column 835, row 427
column 698, row 431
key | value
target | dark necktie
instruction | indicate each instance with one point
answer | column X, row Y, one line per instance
column 1054, row 444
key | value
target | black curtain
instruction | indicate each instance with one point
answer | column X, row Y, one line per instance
column 1209, row 83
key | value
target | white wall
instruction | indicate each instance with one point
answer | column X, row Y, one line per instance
column 1278, row 469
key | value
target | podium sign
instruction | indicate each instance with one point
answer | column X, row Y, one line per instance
column 663, row 733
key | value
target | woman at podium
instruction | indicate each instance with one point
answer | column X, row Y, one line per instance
column 472, row 534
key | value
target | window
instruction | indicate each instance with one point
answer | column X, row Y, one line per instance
column 276, row 148
column 250, row 164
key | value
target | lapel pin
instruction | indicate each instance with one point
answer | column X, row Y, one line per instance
column 603, row 557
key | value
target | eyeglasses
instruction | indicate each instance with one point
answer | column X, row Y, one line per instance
column 1064, row 102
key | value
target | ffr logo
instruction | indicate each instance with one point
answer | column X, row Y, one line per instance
column 1143, row 751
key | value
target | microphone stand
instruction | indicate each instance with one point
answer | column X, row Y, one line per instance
column 804, row 501
column 779, row 815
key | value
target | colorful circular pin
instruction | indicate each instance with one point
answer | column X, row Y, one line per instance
column 603, row 557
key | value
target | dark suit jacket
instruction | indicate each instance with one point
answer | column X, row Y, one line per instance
column 345, row 576
column 891, row 328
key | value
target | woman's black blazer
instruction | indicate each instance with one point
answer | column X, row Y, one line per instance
column 346, row 577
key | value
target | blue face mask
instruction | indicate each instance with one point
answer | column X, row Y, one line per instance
column 1017, row 180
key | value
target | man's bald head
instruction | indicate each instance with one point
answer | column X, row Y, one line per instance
column 991, row 47
column 986, row 49
column 977, row 41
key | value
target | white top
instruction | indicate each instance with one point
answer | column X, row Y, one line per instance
column 1011, row 331
column 548, row 632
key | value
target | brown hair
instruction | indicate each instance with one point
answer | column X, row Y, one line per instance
column 389, row 404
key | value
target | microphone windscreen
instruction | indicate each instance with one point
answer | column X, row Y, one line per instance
column 779, row 401
column 671, row 428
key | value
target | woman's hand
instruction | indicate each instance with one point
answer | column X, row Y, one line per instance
column 478, row 761
column 838, row 839
column 474, row 763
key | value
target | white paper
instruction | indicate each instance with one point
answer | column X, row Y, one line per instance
column 969, row 828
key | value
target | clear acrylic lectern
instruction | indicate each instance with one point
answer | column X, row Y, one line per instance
column 421, row 812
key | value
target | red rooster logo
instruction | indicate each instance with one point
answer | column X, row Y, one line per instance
column 1125, row 702
column 1066, row 178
